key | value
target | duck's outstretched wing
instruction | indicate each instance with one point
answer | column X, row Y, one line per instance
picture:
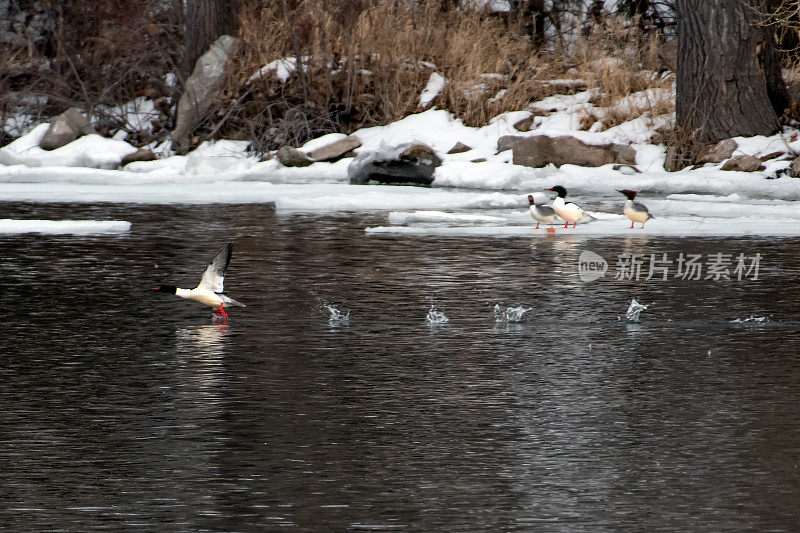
column 214, row 276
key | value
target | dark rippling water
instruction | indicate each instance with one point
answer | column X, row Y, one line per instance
column 125, row 409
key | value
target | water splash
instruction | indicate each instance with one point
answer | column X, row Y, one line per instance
column 750, row 319
column 337, row 318
column 634, row 310
column 435, row 317
column 509, row 315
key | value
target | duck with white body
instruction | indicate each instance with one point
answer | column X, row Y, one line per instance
column 541, row 213
column 635, row 211
column 209, row 290
column 568, row 211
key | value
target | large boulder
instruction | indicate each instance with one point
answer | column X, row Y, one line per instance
column 541, row 150
column 407, row 164
column 65, row 128
column 716, row 153
column 335, row 150
column 203, row 88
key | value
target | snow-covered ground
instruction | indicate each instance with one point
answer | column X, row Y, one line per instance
column 467, row 197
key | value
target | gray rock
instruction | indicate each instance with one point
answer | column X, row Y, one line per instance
column 794, row 168
column 459, row 148
column 292, row 157
column 203, row 88
column 65, row 128
column 335, row 150
column 716, row 153
column 743, row 163
column 524, row 124
column 508, row 142
column 405, row 164
column 142, row 154
column 540, row 150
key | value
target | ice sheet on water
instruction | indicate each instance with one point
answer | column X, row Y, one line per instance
column 62, row 227
column 404, row 217
column 613, row 225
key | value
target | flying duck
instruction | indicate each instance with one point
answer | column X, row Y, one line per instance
column 209, row 291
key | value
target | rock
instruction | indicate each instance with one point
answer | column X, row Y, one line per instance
column 203, row 88
column 335, row 150
column 794, row 168
column 524, row 124
column 142, row 154
column 743, row 163
column 410, row 164
column 292, row 157
column 65, row 128
column 625, row 154
column 459, row 148
column 771, row 155
column 508, row 142
column 479, row 160
column 716, row 153
column 540, row 150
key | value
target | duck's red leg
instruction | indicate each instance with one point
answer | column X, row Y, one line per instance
column 566, row 225
column 631, row 224
column 222, row 311
column 537, row 225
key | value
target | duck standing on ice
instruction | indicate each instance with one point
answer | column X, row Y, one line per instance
column 541, row 213
column 568, row 211
column 209, row 291
column 635, row 211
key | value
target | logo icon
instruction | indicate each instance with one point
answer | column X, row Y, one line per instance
column 591, row 266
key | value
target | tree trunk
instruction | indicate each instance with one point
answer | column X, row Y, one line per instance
column 727, row 71
column 206, row 20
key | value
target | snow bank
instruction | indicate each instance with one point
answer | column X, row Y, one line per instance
column 470, row 190
column 61, row 227
column 89, row 151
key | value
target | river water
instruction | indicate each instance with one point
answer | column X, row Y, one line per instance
column 125, row 409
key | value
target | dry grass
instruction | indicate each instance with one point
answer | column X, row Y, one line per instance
column 365, row 63
column 616, row 60
column 368, row 64
column 368, row 61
